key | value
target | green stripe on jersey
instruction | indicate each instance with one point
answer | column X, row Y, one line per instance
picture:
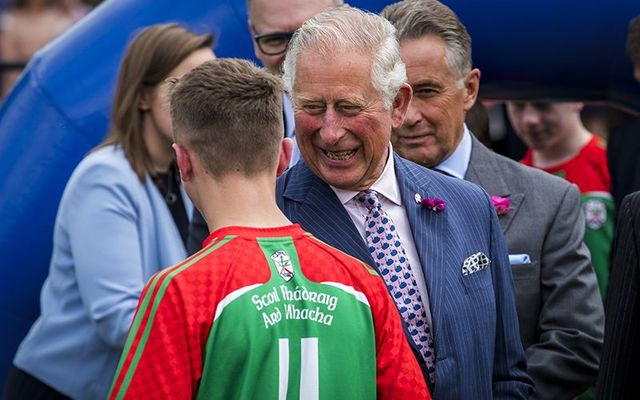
column 287, row 338
column 142, row 310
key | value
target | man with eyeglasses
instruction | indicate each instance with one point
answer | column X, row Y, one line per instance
column 272, row 24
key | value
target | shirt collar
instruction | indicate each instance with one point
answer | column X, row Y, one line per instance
column 287, row 111
column 386, row 185
column 458, row 162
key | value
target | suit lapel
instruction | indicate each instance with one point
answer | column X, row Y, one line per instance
column 484, row 171
column 321, row 213
column 431, row 233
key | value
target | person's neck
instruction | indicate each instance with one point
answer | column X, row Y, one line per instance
column 238, row 200
column 159, row 148
column 563, row 151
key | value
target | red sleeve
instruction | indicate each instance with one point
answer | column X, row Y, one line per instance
column 398, row 374
column 162, row 358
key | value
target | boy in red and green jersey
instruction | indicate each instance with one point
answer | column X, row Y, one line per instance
column 267, row 313
column 264, row 310
column 589, row 171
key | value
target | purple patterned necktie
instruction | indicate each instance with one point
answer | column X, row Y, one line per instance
column 384, row 245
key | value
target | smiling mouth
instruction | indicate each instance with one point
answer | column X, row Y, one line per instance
column 415, row 135
column 339, row 155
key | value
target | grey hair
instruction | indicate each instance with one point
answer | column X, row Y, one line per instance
column 414, row 19
column 350, row 29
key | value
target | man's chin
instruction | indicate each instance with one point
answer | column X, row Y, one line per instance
column 418, row 156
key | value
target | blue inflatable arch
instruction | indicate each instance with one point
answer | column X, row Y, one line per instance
column 59, row 109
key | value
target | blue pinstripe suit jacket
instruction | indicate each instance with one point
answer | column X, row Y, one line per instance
column 479, row 353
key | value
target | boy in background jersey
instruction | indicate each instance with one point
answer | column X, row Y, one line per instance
column 560, row 144
column 264, row 310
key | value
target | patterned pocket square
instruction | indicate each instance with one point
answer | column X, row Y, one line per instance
column 475, row 263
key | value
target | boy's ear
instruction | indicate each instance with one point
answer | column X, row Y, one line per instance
column 185, row 165
column 286, row 149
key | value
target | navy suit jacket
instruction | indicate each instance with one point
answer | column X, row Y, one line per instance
column 477, row 341
column 621, row 351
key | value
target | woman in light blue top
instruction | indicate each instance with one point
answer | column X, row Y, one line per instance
column 122, row 218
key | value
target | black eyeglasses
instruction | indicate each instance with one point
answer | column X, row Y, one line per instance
column 273, row 44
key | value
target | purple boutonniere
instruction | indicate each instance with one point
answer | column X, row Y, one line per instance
column 501, row 204
column 432, row 203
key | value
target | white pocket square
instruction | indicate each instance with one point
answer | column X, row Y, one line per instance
column 475, row 263
column 519, row 259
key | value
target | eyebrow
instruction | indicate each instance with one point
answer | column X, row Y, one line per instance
column 427, row 82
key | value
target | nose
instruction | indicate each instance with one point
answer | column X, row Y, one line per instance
column 530, row 115
column 331, row 131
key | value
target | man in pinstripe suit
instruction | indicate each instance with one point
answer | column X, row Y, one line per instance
column 621, row 353
column 347, row 81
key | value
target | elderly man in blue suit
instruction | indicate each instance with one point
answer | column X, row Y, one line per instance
column 450, row 277
column 435, row 241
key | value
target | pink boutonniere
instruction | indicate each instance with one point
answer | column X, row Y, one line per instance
column 501, row 204
column 432, row 203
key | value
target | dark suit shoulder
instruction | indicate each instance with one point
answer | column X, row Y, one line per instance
column 624, row 135
column 294, row 183
column 632, row 200
column 629, row 215
column 284, row 179
column 536, row 184
column 621, row 350
column 538, row 196
column 529, row 176
column 424, row 176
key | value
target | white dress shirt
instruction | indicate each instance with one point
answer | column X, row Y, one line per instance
column 389, row 194
column 290, row 127
column 456, row 165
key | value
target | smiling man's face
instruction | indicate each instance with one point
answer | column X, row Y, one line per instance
column 342, row 126
column 434, row 123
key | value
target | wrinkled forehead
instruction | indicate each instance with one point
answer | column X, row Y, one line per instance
column 343, row 63
column 335, row 77
column 268, row 16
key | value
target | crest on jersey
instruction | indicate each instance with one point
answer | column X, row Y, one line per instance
column 283, row 264
column 595, row 212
